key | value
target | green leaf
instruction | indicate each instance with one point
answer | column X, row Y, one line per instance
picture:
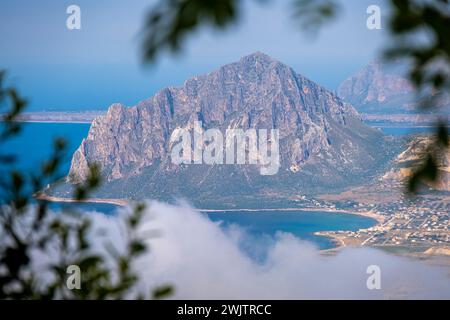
column 162, row 292
column 137, row 247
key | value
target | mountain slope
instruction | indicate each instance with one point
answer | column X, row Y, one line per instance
column 323, row 143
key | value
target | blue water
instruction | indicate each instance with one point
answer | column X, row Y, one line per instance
column 105, row 208
column 301, row 224
column 261, row 227
column 394, row 130
column 399, row 131
column 34, row 144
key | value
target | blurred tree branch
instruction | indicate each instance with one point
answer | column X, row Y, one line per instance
column 421, row 32
column 28, row 227
column 171, row 21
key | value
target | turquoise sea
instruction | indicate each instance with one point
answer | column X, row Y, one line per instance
column 399, row 130
column 34, row 144
column 302, row 224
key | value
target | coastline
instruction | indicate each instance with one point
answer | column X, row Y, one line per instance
column 368, row 214
column 117, row 202
column 338, row 242
column 123, row 202
column 54, row 121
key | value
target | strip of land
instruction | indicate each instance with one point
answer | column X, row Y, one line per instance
column 88, row 116
column 413, row 119
column 59, row 116
column 123, row 202
column 117, row 202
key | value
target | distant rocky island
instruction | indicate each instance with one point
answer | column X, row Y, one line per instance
column 383, row 89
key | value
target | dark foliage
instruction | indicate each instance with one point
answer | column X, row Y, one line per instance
column 28, row 229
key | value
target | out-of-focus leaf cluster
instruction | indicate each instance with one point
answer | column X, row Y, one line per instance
column 29, row 232
column 427, row 173
column 312, row 14
column 421, row 29
column 170, row 21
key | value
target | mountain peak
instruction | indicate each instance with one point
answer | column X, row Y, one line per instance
column 261, row 58
column 258, row 56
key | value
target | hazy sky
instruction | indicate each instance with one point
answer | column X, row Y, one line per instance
column 57, row 68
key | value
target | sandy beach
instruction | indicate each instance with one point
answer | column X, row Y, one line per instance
column 117, row 202
column 123, row 202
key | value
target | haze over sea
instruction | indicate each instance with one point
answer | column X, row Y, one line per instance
column 34, row 144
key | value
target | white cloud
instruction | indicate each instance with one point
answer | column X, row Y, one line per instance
column 203, row 261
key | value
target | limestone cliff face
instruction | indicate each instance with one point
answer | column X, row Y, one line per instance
column 321, row 137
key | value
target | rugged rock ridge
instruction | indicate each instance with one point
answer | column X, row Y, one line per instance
column 323, row 142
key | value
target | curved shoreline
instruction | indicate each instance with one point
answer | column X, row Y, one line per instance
column 339, row 244
column 368, row 214
column 123, row 202
column 117, row 202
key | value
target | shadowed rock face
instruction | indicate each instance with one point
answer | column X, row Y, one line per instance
column 322, row 140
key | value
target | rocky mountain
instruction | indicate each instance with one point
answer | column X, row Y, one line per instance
column 383, row 89
column 322, row 142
